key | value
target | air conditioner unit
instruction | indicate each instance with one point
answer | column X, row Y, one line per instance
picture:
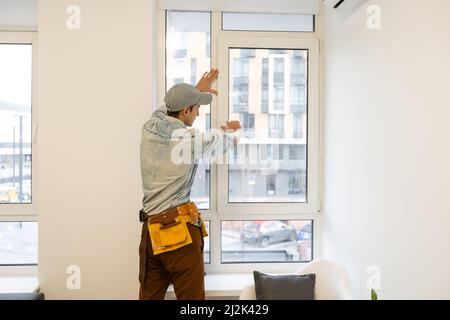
column 346, row 6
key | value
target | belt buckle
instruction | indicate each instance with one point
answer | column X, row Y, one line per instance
column 142, row 216
column 197, row 223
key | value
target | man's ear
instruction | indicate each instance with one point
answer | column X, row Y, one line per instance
column 186, row 110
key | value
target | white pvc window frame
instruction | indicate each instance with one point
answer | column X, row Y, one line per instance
column 26, row 211
column 219, row 208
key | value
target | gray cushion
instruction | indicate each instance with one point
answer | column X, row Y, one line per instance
column 284, row 287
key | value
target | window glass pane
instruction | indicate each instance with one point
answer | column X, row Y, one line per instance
column 15, row 123
column 268, row 97
column 207, row 244
column 267, row 241
column 18, row 243
column 267, row 22
column 188, row 57
column 298, row 125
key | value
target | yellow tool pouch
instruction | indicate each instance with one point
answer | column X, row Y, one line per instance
column 204, row 232
column 169, row 237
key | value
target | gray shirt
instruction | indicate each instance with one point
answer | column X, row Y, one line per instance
column 169, row 158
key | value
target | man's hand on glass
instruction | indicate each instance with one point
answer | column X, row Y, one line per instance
column 204, row 84
column 232, row 126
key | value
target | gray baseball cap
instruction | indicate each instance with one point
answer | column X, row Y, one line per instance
column 183, row 94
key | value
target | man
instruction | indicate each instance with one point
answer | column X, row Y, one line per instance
column 171, row 249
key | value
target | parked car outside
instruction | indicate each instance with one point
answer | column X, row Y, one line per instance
column 305, row 233
column 304, row 243
column 264, row 233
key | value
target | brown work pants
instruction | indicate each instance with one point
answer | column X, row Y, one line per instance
column 182, row 267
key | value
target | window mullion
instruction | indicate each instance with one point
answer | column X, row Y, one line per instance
column 215, row 222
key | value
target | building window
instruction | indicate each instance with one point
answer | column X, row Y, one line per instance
column 271, row 185
column 281, row 152
column 240, row 85
column 240, row 93
column 298, row 69
column 279, row 69
column 278, row 84
column 298, row 81
column 297, row 99
column 240, row 67
column 265, row 85
column 248, row 124
column 276, row 126
column 297, row 125
column 297, row 181
column 240, row 97
column 294, row 183
column 193, row 71
column 278, row 101
column 295, row 152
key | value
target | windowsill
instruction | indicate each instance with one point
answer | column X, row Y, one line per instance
column 18, row 284
column 17, row 279
column 222, row 285
column 216, row 285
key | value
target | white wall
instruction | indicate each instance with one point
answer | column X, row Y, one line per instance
column 18, row 13
column 94, row 95
column 387, row 172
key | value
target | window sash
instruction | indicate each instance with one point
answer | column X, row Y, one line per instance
column 25, row 210
column 19, row 219
column 254, row 6
column 228, row 41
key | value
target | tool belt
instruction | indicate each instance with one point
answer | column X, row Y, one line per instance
column 168, row 230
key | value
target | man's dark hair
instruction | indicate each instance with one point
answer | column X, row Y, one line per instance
column 175, row 114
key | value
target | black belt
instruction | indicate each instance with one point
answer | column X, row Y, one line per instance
column 143, row 217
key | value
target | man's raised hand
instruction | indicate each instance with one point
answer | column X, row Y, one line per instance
column 204, row 84
column 231, row 126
